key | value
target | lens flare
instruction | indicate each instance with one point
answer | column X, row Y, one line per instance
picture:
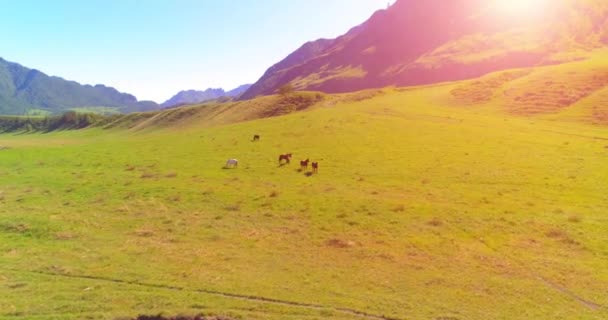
column 520, row 8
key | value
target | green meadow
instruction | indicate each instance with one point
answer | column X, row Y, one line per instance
column 424, row 207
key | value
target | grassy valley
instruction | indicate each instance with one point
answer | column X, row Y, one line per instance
column 465, row 180
column 465, row 200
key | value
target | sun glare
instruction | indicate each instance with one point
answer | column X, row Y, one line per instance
column 520, row 8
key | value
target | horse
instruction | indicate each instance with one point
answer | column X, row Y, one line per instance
column 232, row 163
column 315, row 167
column 304, row 164
column 256, row 137
column 286, row 157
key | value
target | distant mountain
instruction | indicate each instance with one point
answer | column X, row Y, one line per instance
column 23, row 89
column 416, row 42
column 196, row 96
column 236, row 92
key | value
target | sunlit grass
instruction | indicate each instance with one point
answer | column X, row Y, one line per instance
column 422, row 209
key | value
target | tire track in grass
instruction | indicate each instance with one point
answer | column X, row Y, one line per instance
column 245, row 297
column 552, row 285
column 577, row 135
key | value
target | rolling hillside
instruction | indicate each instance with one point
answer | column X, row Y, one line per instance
column 575, row 91
column 466, row 39
column 24, row 90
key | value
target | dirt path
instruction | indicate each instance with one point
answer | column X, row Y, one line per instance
column 357, row 313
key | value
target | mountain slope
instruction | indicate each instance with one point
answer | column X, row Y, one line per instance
column 272, row 78
column 197, row 96
column 413, row 43
column 23, row 89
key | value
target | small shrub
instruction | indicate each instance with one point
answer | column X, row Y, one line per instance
column 144, row 233
column 64, row 235
column 435, row 222
column 234, row 207
column 556, row 234
column 399, row 208
column 147, row 175
column 340, row 244
column 286, row 89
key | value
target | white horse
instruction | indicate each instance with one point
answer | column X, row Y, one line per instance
column 232, row 163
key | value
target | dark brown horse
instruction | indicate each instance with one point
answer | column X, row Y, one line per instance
column 256, row 137
column 315, row 167
column 304, row 164
column 286, row 157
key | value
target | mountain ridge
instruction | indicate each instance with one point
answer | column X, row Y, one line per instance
column 198, row 96
column 23, row 89
column 464, row 40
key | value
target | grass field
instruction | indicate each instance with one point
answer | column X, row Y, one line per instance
column 424, row 207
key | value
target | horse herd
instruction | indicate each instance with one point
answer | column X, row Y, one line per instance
column 303, row 164
column 283, row 160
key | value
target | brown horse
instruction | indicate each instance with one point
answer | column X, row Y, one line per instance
column 304, row 164
column 286, row 157
column 256, row 137
column 315, row 167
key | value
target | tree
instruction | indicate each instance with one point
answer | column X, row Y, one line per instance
column 69, row 119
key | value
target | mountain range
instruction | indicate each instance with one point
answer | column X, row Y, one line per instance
column 23, row 90
column 412, row 43
column 197, row 96
column 409, row 43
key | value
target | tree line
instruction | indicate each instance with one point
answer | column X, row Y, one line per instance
column 70, row 120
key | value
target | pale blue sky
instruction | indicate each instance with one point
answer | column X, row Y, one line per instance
column 155, row 48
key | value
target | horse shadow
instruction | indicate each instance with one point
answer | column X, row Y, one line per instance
column 309, row 173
